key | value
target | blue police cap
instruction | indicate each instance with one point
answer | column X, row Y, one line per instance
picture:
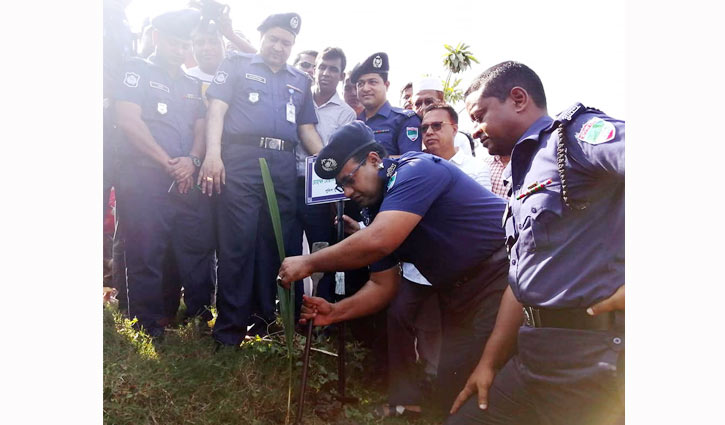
column 287, row 21
column 178, row 23
column 344, row 143
column 375, row 63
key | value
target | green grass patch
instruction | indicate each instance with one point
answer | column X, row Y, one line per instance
column 183, row 381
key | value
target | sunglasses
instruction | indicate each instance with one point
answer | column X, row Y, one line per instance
column 348, row 180
column 436, row 126
column 306, row 65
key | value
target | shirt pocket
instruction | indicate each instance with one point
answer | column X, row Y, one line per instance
column 159, row 105
column 256, row 103
column 543, row 210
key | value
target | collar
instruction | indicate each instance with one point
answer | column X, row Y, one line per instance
column 335, row 99
column 384, row 111
column 257, row 59
column 459, row 157
column 158, row 62
column 532, row 133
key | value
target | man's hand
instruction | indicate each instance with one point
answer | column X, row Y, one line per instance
column 615, row 302
column 185, row 185
column 293, row 269
column 479, row 382
column 317, row 309
column 351, row 226
column 225, row 26
column 211, row 175
column 181, row 168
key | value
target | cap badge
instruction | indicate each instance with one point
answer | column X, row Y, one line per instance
column 329, row 164
column 254, row 97
column 294, row 22
column 377, row 62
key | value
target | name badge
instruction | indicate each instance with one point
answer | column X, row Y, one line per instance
column 291, row 113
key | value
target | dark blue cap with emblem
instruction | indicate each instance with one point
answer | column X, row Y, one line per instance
column 344, row 143
column 178, row 23
column 287, row 21
column 375, row 63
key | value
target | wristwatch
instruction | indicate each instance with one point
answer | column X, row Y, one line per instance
column 195, row 160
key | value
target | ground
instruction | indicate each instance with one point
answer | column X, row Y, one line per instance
column 184, row 381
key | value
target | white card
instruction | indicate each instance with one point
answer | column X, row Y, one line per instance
column 291, row 113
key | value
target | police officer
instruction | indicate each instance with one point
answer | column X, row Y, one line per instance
column 259, row 107
column 424, row 210
column 394, row 128
column 565, row 230
column 160, row 110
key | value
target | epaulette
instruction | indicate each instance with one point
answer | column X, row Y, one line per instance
column 407, row 112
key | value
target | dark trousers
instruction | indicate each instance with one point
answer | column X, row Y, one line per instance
column 413, row 315
column 248, row 259
column 468, row 315
column 316, row 221
column 159, row 227
column 559, row 376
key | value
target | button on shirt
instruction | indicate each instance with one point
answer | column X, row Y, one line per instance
column 331, row 115
column 258, row 97
column 169, row 105
column 395, row 128
column 562, row 257
column 461, row 221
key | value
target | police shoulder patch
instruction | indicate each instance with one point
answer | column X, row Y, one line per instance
column 596, row 131
column 412, row 133
column 220, row 77
column 391, row 181
column 131, row 79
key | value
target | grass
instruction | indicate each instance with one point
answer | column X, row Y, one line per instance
column 182, row 380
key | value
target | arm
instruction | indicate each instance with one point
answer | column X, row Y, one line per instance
column 499, row 348
column 372, row 297
column 310, row 138
column 128, row 118
column 382, row 237
column 183, row 168
column 213, row 166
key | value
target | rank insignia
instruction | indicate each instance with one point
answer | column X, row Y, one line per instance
column 389, row 172
column 220, row 77
column 131, row 79
column 596, row 131
column 329, row 164
column 162, row 108
column 254, row 97
column 412, row 133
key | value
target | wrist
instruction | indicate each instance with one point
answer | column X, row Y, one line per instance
column 195, row 160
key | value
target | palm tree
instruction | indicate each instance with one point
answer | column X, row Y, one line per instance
column 456, row 60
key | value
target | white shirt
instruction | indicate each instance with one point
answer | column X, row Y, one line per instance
column 478, row 170
column 461, row 143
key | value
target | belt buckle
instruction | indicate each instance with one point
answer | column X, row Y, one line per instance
column 275, row 144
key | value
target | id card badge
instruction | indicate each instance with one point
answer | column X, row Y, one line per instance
column 291, row 113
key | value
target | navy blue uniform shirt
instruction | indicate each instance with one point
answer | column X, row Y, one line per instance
column 395, row 128
column 461, row 220
column 258, row 97
column 169, row 105
column 563, row 257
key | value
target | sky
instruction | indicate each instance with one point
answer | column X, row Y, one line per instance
column 576, row 47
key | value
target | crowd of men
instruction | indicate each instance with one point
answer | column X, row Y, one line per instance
column 496, row 268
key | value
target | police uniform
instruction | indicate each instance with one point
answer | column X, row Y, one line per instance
column 265, row 110
column 458, row 245
column 157, row 220
column 566, row 239
column 394, row 128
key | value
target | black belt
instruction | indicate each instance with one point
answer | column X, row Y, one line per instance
column 574, row 318
column 260, row 142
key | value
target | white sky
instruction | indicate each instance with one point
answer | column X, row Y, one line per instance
column 576, row 47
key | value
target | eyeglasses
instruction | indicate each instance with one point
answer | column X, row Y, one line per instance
column 348, row 180
column 436, row 126
column 306, row 65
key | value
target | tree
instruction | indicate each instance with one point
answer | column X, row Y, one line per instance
column 456, row 60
